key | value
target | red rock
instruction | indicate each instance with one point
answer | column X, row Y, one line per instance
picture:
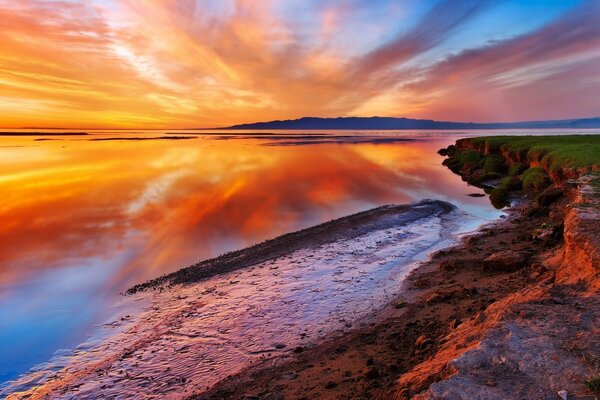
column 507, row 260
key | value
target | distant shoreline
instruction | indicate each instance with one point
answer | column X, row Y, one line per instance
column 24, row 133
column 393, row 123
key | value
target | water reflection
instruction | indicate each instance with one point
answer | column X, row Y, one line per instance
column 83, row 220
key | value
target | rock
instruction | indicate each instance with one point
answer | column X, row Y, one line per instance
column 542, row 233
column 279, row 346
column 330, row 385
column 289, row 375
column 341, row 349
column 454, row 323
column 563, row 394
column 422, row 341
column 373, row 373
column 491, row 382
column 400, row 304
column 507, row 260
column 438, row 297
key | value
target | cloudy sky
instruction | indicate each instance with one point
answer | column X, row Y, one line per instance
column 205, row 63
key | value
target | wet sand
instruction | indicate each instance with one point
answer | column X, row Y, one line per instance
column 261, row 305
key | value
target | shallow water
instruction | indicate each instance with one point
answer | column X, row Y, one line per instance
column 82, row 220
column 189, row 337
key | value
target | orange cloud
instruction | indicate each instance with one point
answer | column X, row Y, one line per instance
column 140, row 63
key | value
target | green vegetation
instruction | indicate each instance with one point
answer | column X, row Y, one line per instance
column 552, row 152
column 499, row 198
column 593, row 384
column 534, row 179
column 458, row 162
column 524, row 162
column 499, row 195
column 494, row 163
column 517, row 169
column 511, row 183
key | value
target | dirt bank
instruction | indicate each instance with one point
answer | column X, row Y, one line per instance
column 511, row 313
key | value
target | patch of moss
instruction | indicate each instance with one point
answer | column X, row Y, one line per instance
column 517, row 169
column 494, row 163
column 480, row 176
column 511, row 183
column 499, row 197
column 457, row 162
column 535, row 179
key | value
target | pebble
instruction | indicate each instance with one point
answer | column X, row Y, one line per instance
column 563, row 394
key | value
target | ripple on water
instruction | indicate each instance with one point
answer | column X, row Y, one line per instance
column 190, row 337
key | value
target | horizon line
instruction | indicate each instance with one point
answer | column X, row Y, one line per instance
column 313, row 117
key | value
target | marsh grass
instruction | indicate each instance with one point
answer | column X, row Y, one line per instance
column 553, row 152
column 534, row 179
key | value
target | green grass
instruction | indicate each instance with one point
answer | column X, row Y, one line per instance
column 553, row 152
column 534, row 179
column 517, row 169
column 461, row 159
column 494, row 163
column 499, row 196
column 511, row 183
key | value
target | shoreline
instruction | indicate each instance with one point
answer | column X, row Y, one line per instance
column 299, row 289
column 511, row 312
column 346, row 227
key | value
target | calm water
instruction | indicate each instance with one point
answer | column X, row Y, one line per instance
column 82, row 220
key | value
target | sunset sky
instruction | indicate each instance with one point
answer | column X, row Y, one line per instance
column 206, row 63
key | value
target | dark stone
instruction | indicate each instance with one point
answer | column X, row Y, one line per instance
column 330, row 385
column 373, row 373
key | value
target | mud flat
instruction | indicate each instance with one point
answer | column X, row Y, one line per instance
column 513, row 312
column 261, row 306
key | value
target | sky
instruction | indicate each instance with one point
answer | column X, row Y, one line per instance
column 207, row 63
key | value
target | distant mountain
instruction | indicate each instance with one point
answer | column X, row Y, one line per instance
column 387, row 123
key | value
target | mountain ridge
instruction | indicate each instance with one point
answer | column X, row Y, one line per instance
column 400, row 123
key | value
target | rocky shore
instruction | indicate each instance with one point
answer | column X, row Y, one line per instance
column 513, row 312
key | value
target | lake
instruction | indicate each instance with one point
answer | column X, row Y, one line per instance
column 86, row 217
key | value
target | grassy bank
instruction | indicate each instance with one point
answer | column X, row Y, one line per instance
column 552, row 152
column 530, row 163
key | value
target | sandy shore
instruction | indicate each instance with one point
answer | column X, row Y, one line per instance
column 263, row 305
column 340, row 311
